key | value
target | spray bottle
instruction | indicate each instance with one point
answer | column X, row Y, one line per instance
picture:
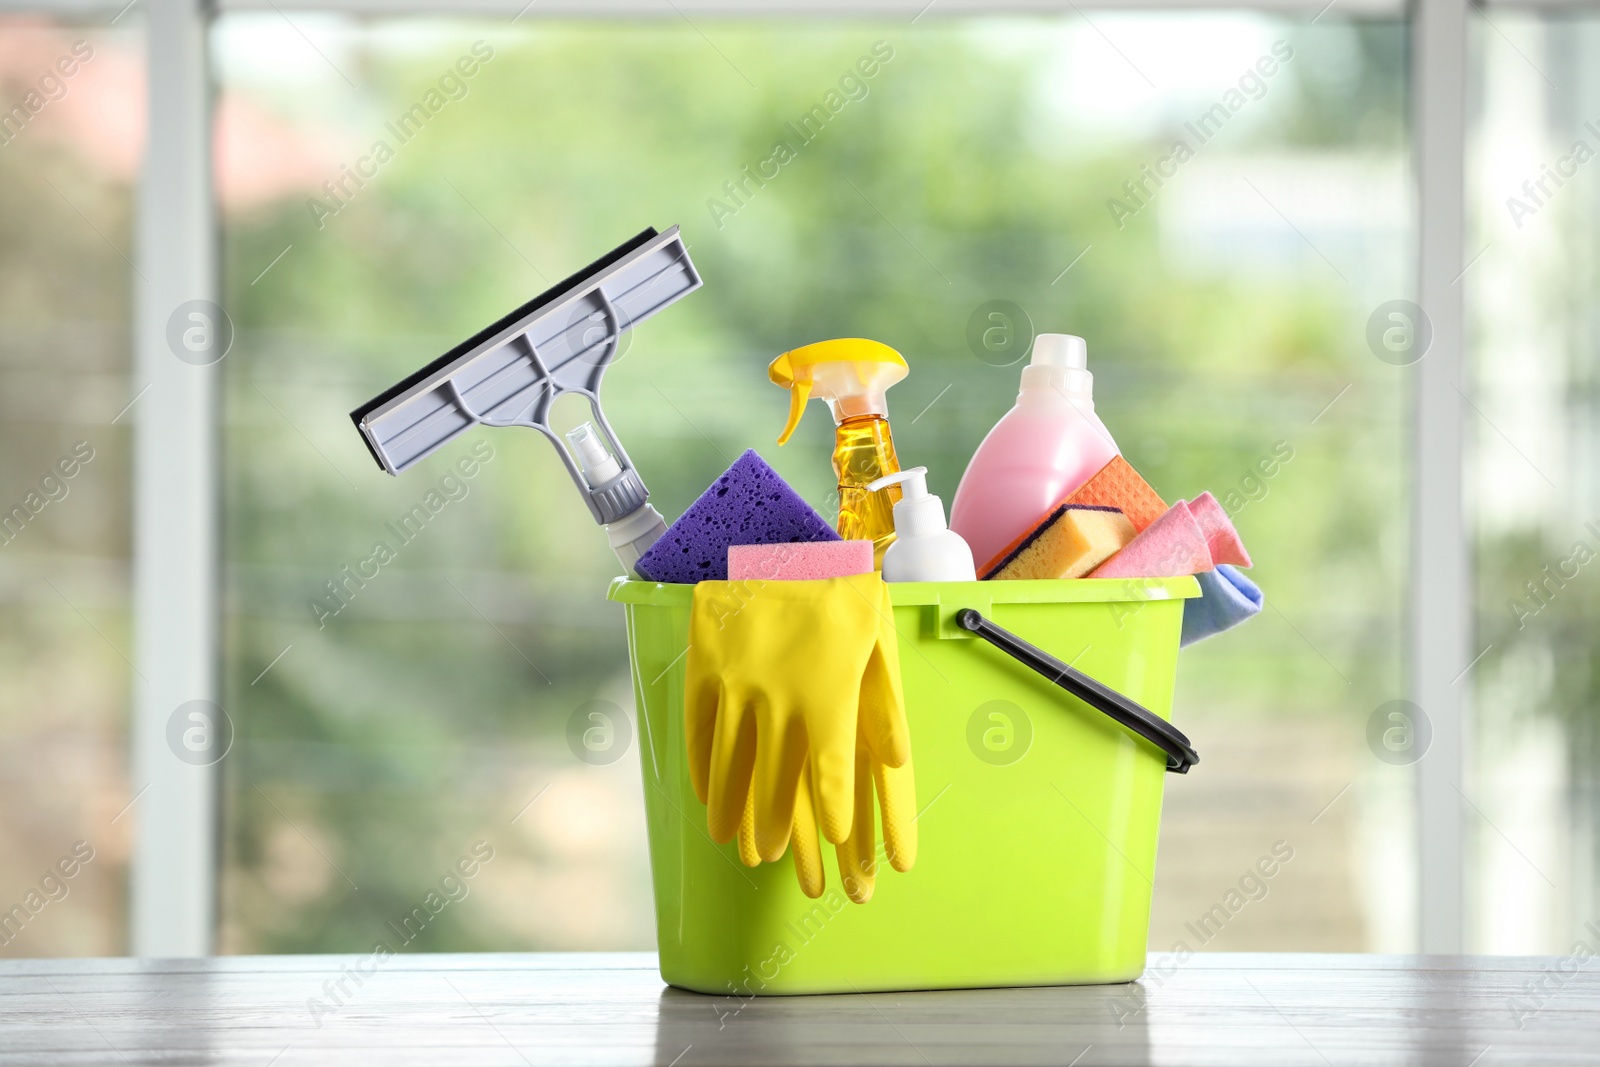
column 852, row 375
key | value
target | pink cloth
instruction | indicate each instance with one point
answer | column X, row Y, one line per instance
column 799, row 561
column 1221, row 537
column 1171, row 546
column 1187, row 539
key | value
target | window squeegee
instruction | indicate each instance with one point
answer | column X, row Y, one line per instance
column 512, row 372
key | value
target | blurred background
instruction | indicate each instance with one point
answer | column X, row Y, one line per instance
column 1227, row 313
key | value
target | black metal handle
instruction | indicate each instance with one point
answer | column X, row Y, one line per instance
column 1141, row 720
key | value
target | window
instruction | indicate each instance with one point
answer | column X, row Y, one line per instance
column 385, row 185
column 70, row 147
column 1534, row 482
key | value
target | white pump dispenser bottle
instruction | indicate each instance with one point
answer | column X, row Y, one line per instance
column 925, row 549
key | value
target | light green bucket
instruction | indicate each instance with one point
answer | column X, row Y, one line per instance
column 1038, row 815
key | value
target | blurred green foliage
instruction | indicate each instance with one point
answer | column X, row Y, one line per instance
column 426, row 713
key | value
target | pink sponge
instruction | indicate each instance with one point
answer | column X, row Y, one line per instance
column 799, row 561
column 1221, row 537
column 1171, row 546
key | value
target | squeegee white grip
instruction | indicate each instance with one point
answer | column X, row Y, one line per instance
column 632, row 535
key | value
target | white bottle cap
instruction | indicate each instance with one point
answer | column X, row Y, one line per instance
column 1060, row 350
column 1060, row 363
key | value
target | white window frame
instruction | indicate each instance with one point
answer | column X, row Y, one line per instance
column 177, row 497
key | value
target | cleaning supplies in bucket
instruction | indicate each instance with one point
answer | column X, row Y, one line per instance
column 793, row 712
column 511, row 373
column 1047, row 445
column 791, row 719
column 924, row 548
column 852, row 375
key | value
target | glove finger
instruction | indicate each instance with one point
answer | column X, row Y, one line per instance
column 858, row 862
column 700, row 699
column 702, row 681
column 804, row 845
column 854, row 616
column 832, row 740
column 747, row 830
column 883, row 712
column 780, row 760
column 897, row 801
column 883, row 705
column 733, row 753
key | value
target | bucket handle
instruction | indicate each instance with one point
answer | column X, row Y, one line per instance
column 1148, row 725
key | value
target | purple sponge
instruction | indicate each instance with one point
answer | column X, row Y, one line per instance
column 750, row 504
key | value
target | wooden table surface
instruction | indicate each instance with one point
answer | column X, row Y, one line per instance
column 1229, row 1010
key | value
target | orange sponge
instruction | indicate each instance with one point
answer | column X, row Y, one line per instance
column 1117, row 485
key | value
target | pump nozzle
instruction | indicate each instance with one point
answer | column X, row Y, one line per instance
column 918, row 513
column 850, row 373
column 917, row 477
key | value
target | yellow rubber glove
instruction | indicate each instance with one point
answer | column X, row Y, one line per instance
column 783, row 680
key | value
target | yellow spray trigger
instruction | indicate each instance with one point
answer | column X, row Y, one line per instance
column 799, row 393
column 850, row 373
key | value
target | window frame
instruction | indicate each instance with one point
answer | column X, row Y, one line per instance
column 177, row 491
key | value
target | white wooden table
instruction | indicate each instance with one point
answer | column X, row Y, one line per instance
column 1228, row 1010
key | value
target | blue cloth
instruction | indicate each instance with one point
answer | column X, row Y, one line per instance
column 1226, row 599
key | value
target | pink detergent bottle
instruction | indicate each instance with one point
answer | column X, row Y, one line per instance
column 1046, row 446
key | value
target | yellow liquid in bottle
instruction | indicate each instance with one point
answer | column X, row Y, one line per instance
column 864, row 452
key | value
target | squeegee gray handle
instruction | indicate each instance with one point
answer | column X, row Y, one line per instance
column 512, row 375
